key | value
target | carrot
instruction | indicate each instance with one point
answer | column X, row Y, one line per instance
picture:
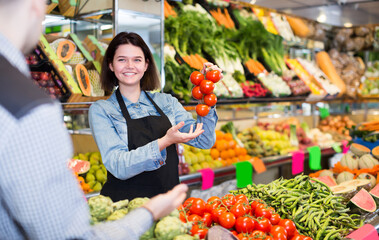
column 231, row 23
column 201, row 60
column 196, row 61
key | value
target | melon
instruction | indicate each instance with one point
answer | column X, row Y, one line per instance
column 375, row 152
column 82, row 77
column 375, row 191
column 94, row 78
column 79, row 166
column 358, row 183
column 327, row 173
column 367, row 161
column 359, row 149
column 368, row 177
column 364, row 201
column 349, row 160
column 344, row 176
column 77, row 58
column 344, row 191
column 328, row 180
column 65, row 50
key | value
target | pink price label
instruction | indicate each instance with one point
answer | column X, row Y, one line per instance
column 207, row 176
column 345, row 148
column 366, row 232
column 297, row 162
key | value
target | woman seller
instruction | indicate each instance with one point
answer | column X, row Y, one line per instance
column 135, row 130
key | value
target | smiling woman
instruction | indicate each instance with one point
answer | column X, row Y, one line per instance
column 137, row 131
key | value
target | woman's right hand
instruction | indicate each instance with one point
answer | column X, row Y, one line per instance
column 174, row 136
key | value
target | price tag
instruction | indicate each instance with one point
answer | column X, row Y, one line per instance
column 324, row 112
column 345, row 148
column 258, row 165
column 314, row 157
column 207, row 176
column 244, row 173
column 336, row 147
column 366, row 232
column 297, row 162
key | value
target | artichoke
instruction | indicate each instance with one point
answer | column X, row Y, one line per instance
column 120, row 204
column 184, row 237
column 100, row 207
column 118, row 214
column 149, row 234
column 169, row 227
column 175, row 213
column 137, row 202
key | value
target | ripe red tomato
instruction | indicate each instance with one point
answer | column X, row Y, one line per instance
column 262, row 211
column 243, row 236
column 183, row 216
column 254, row 204
column 244, row 224
column 210, row 99
column 289, row 225
column 201, row 232
column 234, row 233
column 188, row 203
column 228, row 200
column 263, row 224
column 275, row 218
column 213, row 199
column 227, row 220
column 257, row 234
column 239, row 209
column 212, row 203
column 207, row 219
column 242, row 198
column 196, row 77
column 216, row 213
column 307, row 238
column 194, row 218
column 196, row 93
column 207, row 86
column 202, row 110
column 213, row 75
column 268, row 238
column 297, row 237
column 278, row 232
column 198, row 206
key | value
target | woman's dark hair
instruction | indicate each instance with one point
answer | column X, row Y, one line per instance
column 149, row 81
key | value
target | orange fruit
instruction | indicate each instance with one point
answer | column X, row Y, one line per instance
column 232, row 153
column 232, row 143
column 229, row 161
column 219, row 135
column 81, row 180
column 243, row 151
column 224, row 154
column 85, row 186
column 215, row 153
column 235, row 159
column 221, row 145
column 228, row 136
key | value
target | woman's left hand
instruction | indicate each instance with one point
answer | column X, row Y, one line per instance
column 208, row 66
column 174, row 136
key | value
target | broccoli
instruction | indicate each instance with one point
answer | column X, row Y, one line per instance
column 100, row 207
column 170, row 227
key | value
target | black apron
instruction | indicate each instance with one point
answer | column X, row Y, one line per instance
column 150, row 183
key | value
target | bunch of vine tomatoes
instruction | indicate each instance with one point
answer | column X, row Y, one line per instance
column 203, row 90
column 247, row 220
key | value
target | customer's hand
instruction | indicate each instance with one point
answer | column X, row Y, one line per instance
column 174, row 136
column 163, row 204
column 208, row 66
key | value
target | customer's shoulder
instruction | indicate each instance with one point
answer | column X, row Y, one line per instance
column 18, row 94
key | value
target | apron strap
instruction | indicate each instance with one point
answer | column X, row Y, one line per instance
column 121, row 102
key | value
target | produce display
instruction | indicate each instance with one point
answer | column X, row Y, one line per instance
column 370, row 85
column 51, row 86
column 92, row 174
column 354, row 39
column 275, row 84
column 338, row 126
column 310, row 204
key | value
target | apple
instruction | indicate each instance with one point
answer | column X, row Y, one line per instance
column 45, row 75
column 35, row 75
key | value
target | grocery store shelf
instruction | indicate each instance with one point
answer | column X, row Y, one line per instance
column 270, row 162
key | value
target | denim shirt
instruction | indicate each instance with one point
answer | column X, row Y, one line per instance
column 109, row 129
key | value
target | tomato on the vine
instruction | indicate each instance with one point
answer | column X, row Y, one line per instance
column 263, row 224
column 213, row 75
column 297, row 237
column 234, row 232
column 196, row 77
column 210, row 99
column 212, row 203
column 207, row 219
column 187, row 203
column 239, row 209
column 202, row 110
column 183, row 216
column 262, row 211
column 227, row 219
column 254, row 204
column 228, row 200
column 244, row 224
column 198, row 206
column 243, row 236
column 197, row 230
column 278, row 232
column 216, row 213
column 207, row 86
column 257, row 234
column 196, row 93
column 307, row 238
column 242, row 198
column 275, row 218
column 289, row 225
column 194, row 218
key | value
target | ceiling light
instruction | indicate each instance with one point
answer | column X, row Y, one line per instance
column 253, row 1
column 348, row 24
column 321, row 18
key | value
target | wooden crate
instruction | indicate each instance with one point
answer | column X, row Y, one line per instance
column 50, row 7
column 67, row 7
column 96, row 50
